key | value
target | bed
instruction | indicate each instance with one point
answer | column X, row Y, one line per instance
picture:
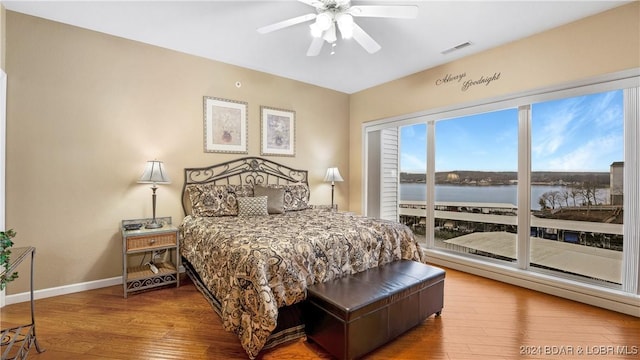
column 252, row 243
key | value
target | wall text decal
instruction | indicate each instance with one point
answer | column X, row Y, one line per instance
column 449, row 78
column 467, row 84
column 483, row 80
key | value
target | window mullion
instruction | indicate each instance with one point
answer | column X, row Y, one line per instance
column 631, row 191
column 523, row 247
column 431, row 183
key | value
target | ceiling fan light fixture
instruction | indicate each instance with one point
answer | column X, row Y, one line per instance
column 345, row 25
column 332, row 16
column 330, row 34
column 316, row 32
column 324, row 21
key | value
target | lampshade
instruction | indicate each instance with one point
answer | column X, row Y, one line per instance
column 330, row 35
column 345, row 24
column 324, row 21
column 154, row 172
column 333, row 174
column 316, row 32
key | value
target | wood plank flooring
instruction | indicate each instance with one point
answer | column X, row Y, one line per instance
column 482, row 319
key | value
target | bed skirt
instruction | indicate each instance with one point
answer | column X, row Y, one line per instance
column 290, row 324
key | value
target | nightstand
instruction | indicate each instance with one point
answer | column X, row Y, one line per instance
column 138, row 250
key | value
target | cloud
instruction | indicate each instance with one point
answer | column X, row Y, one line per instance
column 408, row 131
column 606, row 110
column 594, row 155
column 554, row 128
column 578, row 134
column 412, row 163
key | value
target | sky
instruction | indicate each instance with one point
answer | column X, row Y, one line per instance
column 582, row 133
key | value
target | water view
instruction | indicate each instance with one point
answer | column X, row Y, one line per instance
column 576, row 172
column 482, row 194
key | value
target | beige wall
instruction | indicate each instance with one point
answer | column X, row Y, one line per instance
column 600, row 44
column 86, row 110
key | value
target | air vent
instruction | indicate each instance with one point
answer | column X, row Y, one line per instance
column 457, row 47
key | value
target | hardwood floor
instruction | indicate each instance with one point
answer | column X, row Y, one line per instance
column 482, row 319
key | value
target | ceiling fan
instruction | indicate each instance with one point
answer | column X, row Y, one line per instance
column 337, row 15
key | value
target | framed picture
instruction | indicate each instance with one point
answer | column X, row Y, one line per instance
column 225, row 125
column 277, row 132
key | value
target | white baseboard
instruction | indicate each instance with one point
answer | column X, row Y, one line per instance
column 63, row 290
column 66, row 289
column 610, row 299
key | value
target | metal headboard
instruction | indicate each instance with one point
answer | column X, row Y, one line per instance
column 243, row 171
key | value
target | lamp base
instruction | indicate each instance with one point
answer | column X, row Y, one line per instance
column 153, row 225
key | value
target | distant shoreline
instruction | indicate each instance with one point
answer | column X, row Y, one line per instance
column 484, row 178
column 506, row 194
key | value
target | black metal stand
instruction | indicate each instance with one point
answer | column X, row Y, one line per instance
column 154, row 223
column 332, row 188
column 16, row 342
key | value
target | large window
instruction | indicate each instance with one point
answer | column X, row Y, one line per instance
column 476, row 159
column 413, row 179
column 535, row 183
column 577, row 167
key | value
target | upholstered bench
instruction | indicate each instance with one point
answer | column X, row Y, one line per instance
column 353, row 315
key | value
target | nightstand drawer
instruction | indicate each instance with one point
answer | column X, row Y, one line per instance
column 151, row 241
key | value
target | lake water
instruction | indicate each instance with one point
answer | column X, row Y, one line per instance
column 482, row 194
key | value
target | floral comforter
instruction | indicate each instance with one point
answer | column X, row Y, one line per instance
column 254, row 265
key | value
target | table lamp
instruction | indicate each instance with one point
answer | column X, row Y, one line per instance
column 154, row 173
column 333, row 175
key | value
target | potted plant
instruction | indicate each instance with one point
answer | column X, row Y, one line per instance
column 5, row 246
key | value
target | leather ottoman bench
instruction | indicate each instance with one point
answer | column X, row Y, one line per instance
column 354, row 315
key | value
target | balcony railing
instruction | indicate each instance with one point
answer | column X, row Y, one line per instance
column 563, row 245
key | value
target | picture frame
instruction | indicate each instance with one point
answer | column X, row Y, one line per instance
column 225, row 125
column 277, row 132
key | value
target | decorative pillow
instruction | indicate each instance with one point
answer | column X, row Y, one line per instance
column 216, row 200
column 252, row 206
column 296, row 196
column 275, row 198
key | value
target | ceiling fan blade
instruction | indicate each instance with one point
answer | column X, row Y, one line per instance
column 315, row 47
column 315, row 3
column 386, row 11
column 286, row 23
column 365, row 40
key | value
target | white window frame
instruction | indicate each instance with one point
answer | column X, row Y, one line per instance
column 3, row 132
column 627, row 298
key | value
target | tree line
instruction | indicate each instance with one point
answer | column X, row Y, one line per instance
column 585, row 194
column 600, row 179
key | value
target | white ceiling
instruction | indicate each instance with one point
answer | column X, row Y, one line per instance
column 226, row 31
